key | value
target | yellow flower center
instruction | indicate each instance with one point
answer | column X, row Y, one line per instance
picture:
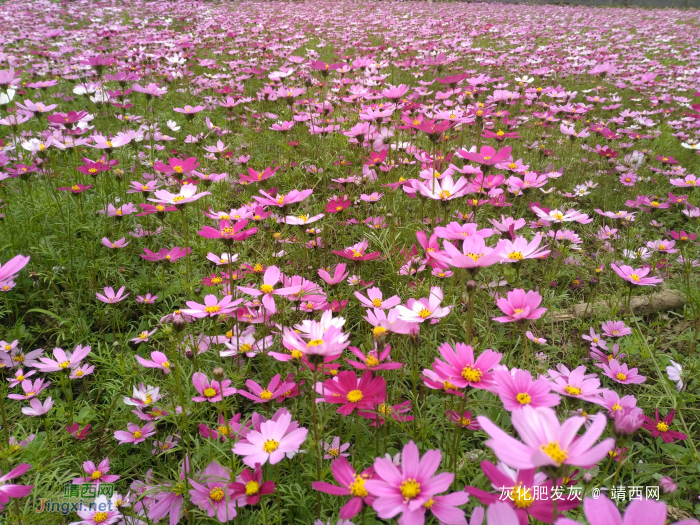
column 75, row 188
column 212, row 309
column 64, row 364
column 448, row 386
column 216, row 494
column 96, row 475
column 99, row 517
column 473, row 375
column 355, row 396
column 428, row 504
column 410, row 488
column 270, row 445
column 465, row 422
column 515, row 256
column 266, row 288
column 573, row 390
column 662, row 427
column 314, row 342
column 357, row 487
column 372, row 361
column 634, row 277
column 444, row 194
column 252, row 488
column 620, row 376
column 20, row 378
column 266, row 394
column 376, row 303
column 178, row 198
column 616, row 407
column 177, row 169
column 424, row 313
column 216, row 280
column 523, row 398
column 554, row 451
column 209, row 392
column 137, row 434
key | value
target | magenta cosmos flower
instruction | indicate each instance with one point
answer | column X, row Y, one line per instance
column 546, row 442
column 250, row 486
column 212, row 306
column 357, row 252
column 375, row 299
column 577, row 384
column 100, row 512
column 412, row 488
column 517, row 390
column 177, row 165
column 351, row 484
column 616, row 329
column 212, row 494
column 662, row 428
column 158, row 360
column 463, row 370
column 212, row 391
column 520, row 306
column 417, row 311
column 272, row 442
column 228, row 233
column 635, row 276
column 602, row 511
column 352, row 392
column 96, row 474
column 267, row 289
column 281, row 201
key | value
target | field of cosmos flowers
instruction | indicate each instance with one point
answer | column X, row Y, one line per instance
column 348, row 263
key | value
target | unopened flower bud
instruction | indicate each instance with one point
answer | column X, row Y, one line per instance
column 179, row 323
column 667, row 485
column 189, row 354
column 587, row 478
column 471, row 285
column 218, row 373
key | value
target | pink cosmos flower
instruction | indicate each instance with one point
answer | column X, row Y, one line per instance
column 228, row 233
column 463, row 370
column 339, row 274
column 31, row 390
column 546, row 442
column 267, row 289
column 63, row 360
column 637, row 276
column 465, row 420
column 20, row 375
column 274, row 390
column 374, row 299
column 519, row 249
column 334, row 450
column 143, row 336
column 11, row 490
column 577, row 385
column 418, row 311
column 520, row 306
column 613, row 402
column 121, row 243
column 158, row 360
column 388, row 321
column 619, row 373
column 487, row 155
column 212, row 306
column 351, row 484
column 356, row 252
column 211, row 493
column 374, row 360
column 616, row 329
column 281, row 201
column 212, row 391
column 188, row 193
column 517, row 389
column 272, row 442
column 135, row 434
column 96, row 474
column 164, row 254
column 110, row 297
column 409, row 488
column 473, row 256
column 36, row 408
column 459, row 232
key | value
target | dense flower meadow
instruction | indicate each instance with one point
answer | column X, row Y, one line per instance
column 348, row 263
